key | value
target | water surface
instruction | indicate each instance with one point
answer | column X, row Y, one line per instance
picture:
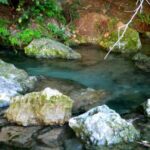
column 117, row 75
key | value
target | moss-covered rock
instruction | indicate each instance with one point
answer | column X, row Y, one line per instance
column 130, row 43
column 13, row 81
column 48, row 107
column 47, row 48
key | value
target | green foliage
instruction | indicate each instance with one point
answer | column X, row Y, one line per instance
column 73, row 10
column 57, row 32
column 3, row 22
column 4, row 2
column 24, row 37
column 37, row 9
column 143, row 17
column 4, row 32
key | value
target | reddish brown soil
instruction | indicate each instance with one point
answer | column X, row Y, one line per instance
column 6, row 12
column 122, row 9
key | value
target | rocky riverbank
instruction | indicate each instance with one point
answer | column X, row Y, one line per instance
column 70, row 99
column 13, row 136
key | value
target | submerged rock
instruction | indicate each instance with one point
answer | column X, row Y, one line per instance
column 48, row 107
column 47, row 48
column 73, row 144
column 102, row 126
column 142, row 61
column 85, row 99
column 13, row 81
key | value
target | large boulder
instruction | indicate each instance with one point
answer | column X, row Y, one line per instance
column 142, row 61
column 47, row 48
column 130, row 43
column 13, row 81
column 102, row 126
column 48, row 107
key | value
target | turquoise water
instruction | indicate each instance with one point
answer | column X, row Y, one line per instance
column 128, row 85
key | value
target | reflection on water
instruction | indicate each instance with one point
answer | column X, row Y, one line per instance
column 117, row 75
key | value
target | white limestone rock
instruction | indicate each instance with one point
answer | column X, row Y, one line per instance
column 13, row 81
column 102, row 126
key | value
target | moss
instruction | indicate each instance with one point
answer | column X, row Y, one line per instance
column 62, row 100
column 129, row 43
column 51, row 53
column 40, row 99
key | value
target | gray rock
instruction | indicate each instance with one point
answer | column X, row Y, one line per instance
column 13, row 82
column 3, row 122
column 47, row 48
column 53, row 138
column 142, row 61
column 48, row 107
column 18, row 136
column 73, row 144
column 102, row 126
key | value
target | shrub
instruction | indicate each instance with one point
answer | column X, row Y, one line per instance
column 37, row 9
column 24, row 37
column 57, row 32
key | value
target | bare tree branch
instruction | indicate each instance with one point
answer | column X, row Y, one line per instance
column 139, row 8
column 148, row 2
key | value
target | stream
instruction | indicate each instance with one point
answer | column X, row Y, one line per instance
column 117, row 75
column 127, row 86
